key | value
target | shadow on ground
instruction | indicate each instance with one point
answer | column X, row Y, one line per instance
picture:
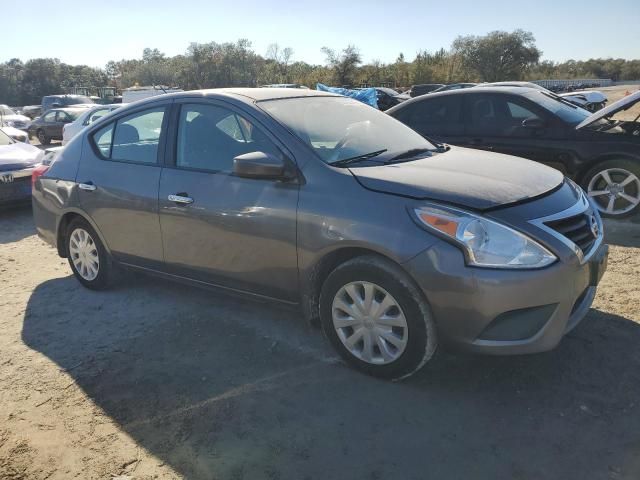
column 17, row 222
column 221, row 388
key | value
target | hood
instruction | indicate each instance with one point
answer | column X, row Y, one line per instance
column 586, row 97
column 624, row 103
column 19, row 155
column 471, row 178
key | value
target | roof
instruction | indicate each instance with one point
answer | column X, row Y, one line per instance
column 256, row 94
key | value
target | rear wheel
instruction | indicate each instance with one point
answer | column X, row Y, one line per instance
column 87, row 256
column 614, row 186
column 376, row 319
column 42, row 138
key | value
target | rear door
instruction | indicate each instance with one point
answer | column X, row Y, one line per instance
column 438, row 118
column 118, row 182
column 226, row 230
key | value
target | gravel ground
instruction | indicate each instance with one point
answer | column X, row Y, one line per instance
column 159, row 380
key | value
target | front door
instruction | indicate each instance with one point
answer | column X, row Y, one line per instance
column 495, row 123
column 234, row 232
column 118, row 185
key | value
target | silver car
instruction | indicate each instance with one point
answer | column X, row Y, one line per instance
column 394, row 244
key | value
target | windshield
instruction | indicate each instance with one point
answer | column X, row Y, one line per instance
column 4, row 110
column 339, row 128
column 562, row 108
column 4, row 139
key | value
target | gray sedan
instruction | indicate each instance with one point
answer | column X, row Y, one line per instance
column 393, row 243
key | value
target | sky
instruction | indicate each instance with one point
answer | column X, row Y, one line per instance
column 93, row 32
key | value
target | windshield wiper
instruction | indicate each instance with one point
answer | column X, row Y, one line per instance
column 357, row 158
column 410, row 153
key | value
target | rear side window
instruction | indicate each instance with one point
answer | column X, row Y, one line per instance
column 134, row 138
column 437, row 116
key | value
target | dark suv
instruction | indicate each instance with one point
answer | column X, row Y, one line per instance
column 58, row 101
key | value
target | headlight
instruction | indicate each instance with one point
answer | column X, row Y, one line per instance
column 486, row 243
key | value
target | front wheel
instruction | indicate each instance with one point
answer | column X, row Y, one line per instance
column 87, row 256
column 614, row 185
column 42, row 138
column 376, row 318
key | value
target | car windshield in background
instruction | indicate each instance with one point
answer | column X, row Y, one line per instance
column 75, row 100
column 4, row 139
column 563, row 109
column 338, row 128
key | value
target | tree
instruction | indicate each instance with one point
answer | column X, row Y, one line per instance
column 344, row 64
column 498, row 55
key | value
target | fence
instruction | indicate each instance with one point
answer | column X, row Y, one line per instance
column 565, row 84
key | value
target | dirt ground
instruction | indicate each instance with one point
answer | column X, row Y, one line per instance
column 159, row 380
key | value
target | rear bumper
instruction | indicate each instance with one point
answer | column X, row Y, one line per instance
column 505, row 312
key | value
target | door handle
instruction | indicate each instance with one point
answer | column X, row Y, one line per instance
column 183, row 199
column 88, row 186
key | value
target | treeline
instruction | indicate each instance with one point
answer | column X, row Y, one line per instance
column 493, row 57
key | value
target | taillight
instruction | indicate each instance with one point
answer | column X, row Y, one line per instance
column 37, row 173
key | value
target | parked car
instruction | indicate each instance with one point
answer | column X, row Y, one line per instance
column 417, row 90
column 591, row 101
column 17, row 135
column 602, row 155
column 9, row 118
column 49, row 126
column 454, row 86
column 90, row 115
column 317, row 200
column 17, row 162
column 32, row 111
column 388, row 97
column 59, row 101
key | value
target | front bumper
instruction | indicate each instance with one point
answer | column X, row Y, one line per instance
column 15, row 186
column 505, row 312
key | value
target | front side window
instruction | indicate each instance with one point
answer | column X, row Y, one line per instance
column 440, row 115
column 210, row 137
column 134, row 138
column 339, row 128
column 50, row 117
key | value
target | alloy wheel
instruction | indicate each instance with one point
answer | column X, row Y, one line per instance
column 369, row 322
column 615, row 191
column 84, row 254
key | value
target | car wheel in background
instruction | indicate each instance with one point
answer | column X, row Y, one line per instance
column 87, row 256
column 42, row 138
column 614, row 185
column 376, row 318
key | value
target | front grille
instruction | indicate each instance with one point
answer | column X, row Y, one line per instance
column 18, row 189
column 577, row 229
column 20, row 125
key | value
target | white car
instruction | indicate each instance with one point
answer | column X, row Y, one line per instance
column 17, row 135
column 10, row 120
column 70, row 130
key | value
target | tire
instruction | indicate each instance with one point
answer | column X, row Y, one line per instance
column 42, row 138
column 382, row 279
column 612, row 179
column 80, row 238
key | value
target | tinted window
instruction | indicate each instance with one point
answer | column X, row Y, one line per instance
column 436, row 116
column 137, row 136
column 209, row 137
column 498, row 115
column 519, row 111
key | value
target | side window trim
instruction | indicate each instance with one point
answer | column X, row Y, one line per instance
column 171, row 145
column 167, row 105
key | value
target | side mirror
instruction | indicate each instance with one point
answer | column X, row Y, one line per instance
column 259, row 165
column 533, row 123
